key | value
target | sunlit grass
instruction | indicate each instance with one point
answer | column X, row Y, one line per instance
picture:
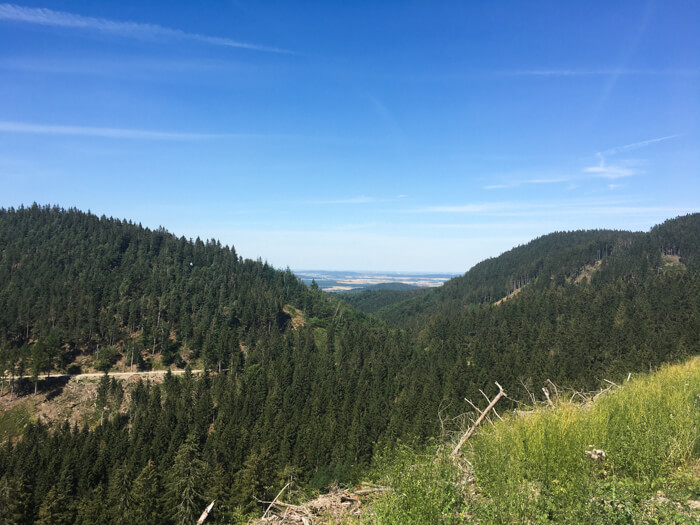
column 14, row 420
column 533, row 467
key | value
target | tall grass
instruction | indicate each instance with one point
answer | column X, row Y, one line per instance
column 532, row 468
column 425, row 488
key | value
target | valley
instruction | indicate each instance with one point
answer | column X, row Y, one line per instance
column 338, row 281
column 261, row 361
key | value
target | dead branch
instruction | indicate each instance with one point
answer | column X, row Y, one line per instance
column 556, row 390
column 494, row 410
column 441, row 409
column 273, row 501
column 546, row 394
column 473, row 406
column 205, row 513
column 469, row 432
column 497, row 415
column 530, row 394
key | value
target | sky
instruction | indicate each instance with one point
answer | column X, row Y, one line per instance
column 404, row 136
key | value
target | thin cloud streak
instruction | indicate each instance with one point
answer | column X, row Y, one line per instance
column 515, row 184
column 563, row 208
column 113, row 133
column 117, row 67
column 637, row 145
column 603, row 170
column 598, row 72
column 362, row 199
column 49, row 17
column 610, row 172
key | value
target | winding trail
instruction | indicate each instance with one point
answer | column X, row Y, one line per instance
column 97, row 375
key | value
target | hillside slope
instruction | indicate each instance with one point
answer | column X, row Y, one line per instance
column 309, row 388
column 630, row 454
column 553, row 260
column 78, row 283
column 376, row 297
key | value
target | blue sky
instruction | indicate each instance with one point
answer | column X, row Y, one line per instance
column 408, row 136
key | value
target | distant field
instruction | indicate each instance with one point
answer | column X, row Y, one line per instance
column 339, row 281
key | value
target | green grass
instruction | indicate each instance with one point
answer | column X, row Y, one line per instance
column 425, row 488
column 14, row 421
column 532, row 468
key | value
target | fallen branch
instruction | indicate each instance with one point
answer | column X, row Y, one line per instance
column 206, row 512
column 469, row 432
column 494, row 410
column 273, row 501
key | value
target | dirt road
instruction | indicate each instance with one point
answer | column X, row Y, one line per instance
column 97, row 375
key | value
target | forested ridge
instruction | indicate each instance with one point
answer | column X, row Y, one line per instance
column 377, row 297
column 83, row 282
column 552, row 259
column 312, row 400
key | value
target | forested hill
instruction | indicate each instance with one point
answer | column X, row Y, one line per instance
column 373, row 298
column 74, row 280
column 555, row 259
column 309, row 389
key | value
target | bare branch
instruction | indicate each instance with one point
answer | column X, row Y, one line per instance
column 206, row 512
column 469, row 432
column 546, row 394
column 274, row 500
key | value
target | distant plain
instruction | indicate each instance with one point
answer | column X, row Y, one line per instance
column 340, row 281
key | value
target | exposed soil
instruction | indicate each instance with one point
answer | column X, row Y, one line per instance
column 511, row 294
column 587, row 272
column 296, row 315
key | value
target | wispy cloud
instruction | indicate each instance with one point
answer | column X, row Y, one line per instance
column 121, row 66
column 49, row 17
column 637, row 145
column 474, row 208
column 598, row 72
column 113, row 133
column 570, row 208
column 609, row 171
column 515, row 184
column 603, row 170
column 362, row 199
column 621, row 169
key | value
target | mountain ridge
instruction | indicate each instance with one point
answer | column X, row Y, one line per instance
column 302, row 385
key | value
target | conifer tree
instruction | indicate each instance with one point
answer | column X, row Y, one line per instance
column 187, row 483
column 146, row 494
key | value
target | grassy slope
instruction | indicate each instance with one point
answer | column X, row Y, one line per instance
column 532, row 468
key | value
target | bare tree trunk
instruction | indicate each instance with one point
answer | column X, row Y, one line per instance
column 469, row 432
